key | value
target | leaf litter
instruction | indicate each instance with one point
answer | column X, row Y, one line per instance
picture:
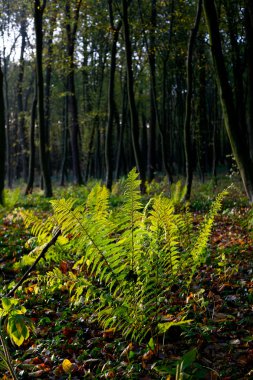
column 218, row 344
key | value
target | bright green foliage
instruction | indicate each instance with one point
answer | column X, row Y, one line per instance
column 17, row 325
column 197, row 254
column 41, row 230
column 11, row 197
column 127, row 259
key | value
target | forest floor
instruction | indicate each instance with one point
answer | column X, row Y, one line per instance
column 217, row 345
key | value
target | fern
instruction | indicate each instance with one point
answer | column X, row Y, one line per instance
column 177, row 193
column 93, row 229
column 197, row 254
column 127, row 259
column 39, row 229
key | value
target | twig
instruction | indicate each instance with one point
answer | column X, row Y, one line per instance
column 29, row 270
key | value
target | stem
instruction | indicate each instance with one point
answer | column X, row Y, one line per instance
column 7, row 356
column 29, row 270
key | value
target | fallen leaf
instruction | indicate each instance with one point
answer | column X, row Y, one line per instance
column 67, row 366
column 109, row 333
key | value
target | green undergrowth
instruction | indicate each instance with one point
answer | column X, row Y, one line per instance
column 127, row 258
column 125, row 265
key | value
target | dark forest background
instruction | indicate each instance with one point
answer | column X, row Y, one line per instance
column 92, row 88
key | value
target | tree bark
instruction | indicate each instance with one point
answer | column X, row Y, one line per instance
column 29, row 187
column 2, row 139
column 151, row 159
column 7, row 122
column 131, row 99
column 111, row 101
column 120, row 151
column 188, row 106
column 71, row 30
column 237, row 140
column 38, row 16
column 64, row 140
column 48, row 77
column 249, row 60
column 21, row 118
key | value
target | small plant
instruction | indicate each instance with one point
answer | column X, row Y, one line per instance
column 17, row 327
column 11, row 198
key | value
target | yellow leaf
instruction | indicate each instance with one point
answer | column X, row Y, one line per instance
column 109, row 333
column 67, row 366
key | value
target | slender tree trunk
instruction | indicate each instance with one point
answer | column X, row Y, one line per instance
column 21, row 116
column 71, row 30
column 249, row 55
column 111, row 101
column 155, row 119
column 38, row 15
column 163, row 123
column 202, row 131
column 89, row 154
column 85, row 78
column 237, row 140
column 48, row 76
column 2, row 138
column 64, row 140
column 188, row 110
column 7, row 123
column 131, row 99
column 122, row 124
column 237, row 67
column 94, row 156
column 29, row 187
column 151, row 159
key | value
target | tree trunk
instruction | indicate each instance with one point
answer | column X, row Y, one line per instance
column 7, row 122
column 89, row 153
column 38, row 15
column 71, row 30
column 249, row 55
column 29, row 187
column 151, row 159
column 21, row 117
column 188, row 107
column 237, row 140
column 202, row 133
column 111, row 101
column 122, row 124
column 131, row 99
column 64, row 140
column 48, row 76
column 162, row 126
column 2, row 138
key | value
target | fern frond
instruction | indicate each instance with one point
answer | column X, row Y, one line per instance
column 164, row 226
column 198, row 251
column 177, row 193
column 40, row 228
column 97, row 202
column 129, row 213
column 92, row 231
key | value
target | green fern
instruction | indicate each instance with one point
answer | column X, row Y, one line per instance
column 42, row 230
column 127, row 259
column 197, row 255
column 177, row 193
